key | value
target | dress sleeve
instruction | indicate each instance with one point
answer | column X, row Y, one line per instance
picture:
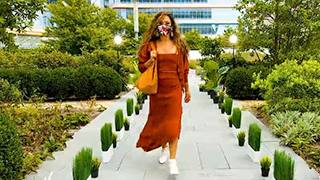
column 186, row 69
column 144, row 56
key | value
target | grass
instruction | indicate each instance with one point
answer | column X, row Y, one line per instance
column 283, row 166
column 255, row 137
column 82, row 164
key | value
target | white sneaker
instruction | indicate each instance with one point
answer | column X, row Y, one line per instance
column 164, row 156
column 174, row 170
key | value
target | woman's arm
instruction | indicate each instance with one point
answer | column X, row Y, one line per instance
column 186, row 73
column 144, row 56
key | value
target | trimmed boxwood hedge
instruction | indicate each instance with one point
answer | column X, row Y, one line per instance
column 11, row 154
column 65, row 82
column 238, row 82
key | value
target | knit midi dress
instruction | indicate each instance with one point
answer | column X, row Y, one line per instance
column 164, row 119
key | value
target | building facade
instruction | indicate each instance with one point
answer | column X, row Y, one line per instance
column 210, row 17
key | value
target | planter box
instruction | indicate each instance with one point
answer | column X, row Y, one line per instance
column 254, row 155
column 107, row 155
column 120, row 134
column 130, row 118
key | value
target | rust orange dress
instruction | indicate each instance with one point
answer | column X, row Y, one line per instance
column 165, row 110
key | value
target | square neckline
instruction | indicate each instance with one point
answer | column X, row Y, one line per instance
column 176, row 53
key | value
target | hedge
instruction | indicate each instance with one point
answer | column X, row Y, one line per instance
column 65, row 82
column 239, row 80
column 11, row 154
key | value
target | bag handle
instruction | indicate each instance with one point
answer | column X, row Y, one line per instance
column 153, row 46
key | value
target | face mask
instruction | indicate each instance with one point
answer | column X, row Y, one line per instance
column 164, row 30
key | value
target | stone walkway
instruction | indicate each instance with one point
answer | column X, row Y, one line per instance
column 207, row 149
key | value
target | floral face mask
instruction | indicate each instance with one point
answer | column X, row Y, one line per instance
column 164, row 30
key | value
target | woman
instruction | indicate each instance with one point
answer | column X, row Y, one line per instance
column 171, row 55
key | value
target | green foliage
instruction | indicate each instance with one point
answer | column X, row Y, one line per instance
column 139, row 97
column 126, row 124
column 239, row 80
column 52, row 145
column 11, row 154
column 82, row 164
column 74, row 120
column 236, row 119
column 281, row 122
column 228, row 105
column 106, row 136
column 210, row 47
column 62, row 83
column 95, row 80
column 114, row 138
column 241, row 135
column 137, row 109
column 193, row 64
column 283, row 32
column 129, row 107
column 17, row 14
column 214, row 74
column 144, row 23
column 9, row 92
column 95, row 164
column 284, row 166
column 87, row 32
column 290, row 82
column 119, row 119
column 193, row 39
column 265, row 162
column 254, row 137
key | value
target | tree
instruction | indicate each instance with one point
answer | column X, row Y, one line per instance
column 210, row 47
column 283, row 27
column 193, row 39
column 19, row 15
column 144, row 23
column 80, row 26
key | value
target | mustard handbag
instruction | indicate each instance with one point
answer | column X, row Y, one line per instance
column 148, row 81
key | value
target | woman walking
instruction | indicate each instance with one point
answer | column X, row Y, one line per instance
column 171, row 55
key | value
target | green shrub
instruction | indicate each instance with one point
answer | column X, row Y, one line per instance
column 114, row 139
column 106, row 136
column 241, row 137
column 239, row 80
column 74, row 120
column 9, row 92
column 281, row 122
column 126, row 124
column 82, row 164
column 265, row 162
column 119, row 119
column 129, row 107
column 61, row 83
column 11, row 154
column 290, row 80
column 228, row 105
column 255, row 137
column 95, row 164
column 236, row 117
column 283, row 166
column 137, row 109
column 95, row 80
column 193, row 64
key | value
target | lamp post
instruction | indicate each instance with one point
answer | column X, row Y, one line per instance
column 233, row 41
column 117, row 41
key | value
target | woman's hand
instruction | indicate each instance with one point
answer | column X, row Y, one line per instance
column 153, row 58
column 187, row 97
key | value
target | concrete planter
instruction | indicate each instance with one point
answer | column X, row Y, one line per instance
column 107, row 155
column 120, row 134
column 254, row 155
column 130, row 118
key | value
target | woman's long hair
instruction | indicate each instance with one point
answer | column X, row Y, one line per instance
column 153, row 34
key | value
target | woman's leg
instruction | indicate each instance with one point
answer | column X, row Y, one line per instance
column 173, row 145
